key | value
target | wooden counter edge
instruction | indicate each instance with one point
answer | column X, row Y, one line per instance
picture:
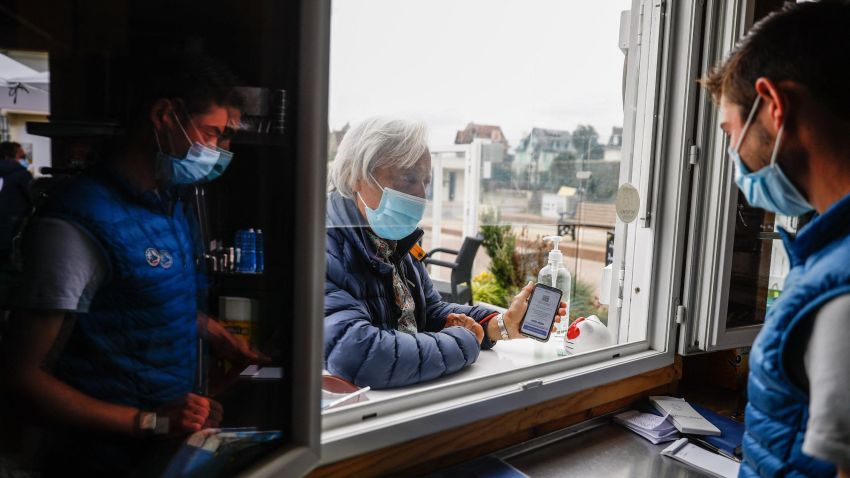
column 440, row 450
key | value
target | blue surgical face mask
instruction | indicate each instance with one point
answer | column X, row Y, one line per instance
column 200, row 164
column 768, row 188
column 397, row 215
column 224, row 158
column 23, row 162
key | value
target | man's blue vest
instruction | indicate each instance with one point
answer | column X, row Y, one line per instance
column 137, row 345
column 778, row 409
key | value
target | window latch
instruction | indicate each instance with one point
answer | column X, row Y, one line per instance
column 537, row 382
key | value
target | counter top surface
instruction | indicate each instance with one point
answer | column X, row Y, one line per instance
column 504, row 356
column 608, row 451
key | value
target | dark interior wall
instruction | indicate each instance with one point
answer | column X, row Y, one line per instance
column 763, row 7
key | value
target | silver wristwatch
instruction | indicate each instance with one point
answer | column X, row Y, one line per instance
column 150, row 424
column 500, row 321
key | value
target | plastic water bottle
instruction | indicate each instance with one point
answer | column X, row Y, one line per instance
column 261, row 260
column 555, row 274
column 246, row 242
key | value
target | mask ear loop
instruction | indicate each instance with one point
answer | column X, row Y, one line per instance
column 156, row 137
column 750, row 117
column 376, row 182
column 777, row 144
column 361, row 196
column 362, row 200
column 191, row 123
column 183, row 129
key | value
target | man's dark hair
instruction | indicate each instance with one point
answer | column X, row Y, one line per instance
column 196, row 79
column 9, row 150
column 805, row 43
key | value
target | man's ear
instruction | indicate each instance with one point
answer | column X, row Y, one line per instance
column 162, row 113
column 776, row 104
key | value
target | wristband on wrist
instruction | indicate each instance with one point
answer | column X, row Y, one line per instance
column 500, row 321
column 149, row 423
column 488, row 318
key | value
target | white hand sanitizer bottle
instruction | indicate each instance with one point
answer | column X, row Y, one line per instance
column 555, row 274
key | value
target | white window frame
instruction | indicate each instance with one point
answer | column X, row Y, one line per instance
column 713, row 204
column 668, row 36
column 302, row 449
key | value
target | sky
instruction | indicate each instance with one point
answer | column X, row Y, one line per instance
column 514, row 63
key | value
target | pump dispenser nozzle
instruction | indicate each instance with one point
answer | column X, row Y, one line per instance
column 555, row 254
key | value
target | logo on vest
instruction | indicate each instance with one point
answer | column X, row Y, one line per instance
column 166, row 262
column 152, row 256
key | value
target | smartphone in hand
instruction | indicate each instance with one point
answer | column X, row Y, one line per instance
column 540, row 314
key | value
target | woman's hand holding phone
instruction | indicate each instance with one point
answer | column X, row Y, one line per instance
column 513, row 316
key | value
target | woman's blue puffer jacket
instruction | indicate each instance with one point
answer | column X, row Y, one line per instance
column 361, row 341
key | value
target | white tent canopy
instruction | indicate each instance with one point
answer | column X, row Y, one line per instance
column 23, row 88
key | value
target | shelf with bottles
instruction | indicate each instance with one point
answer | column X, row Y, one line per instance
column 246, row 255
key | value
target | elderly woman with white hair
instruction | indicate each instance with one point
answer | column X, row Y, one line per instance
column 385, row 324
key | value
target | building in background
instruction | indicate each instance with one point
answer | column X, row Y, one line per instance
column 496, row 160
column 614, row 146
column 334, row 138
column 536, row 152
column 481, row 131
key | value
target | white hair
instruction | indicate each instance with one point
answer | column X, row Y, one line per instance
column 375, row 142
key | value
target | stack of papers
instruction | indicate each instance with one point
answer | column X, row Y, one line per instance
column 701, row 459
column 683, row 416
column 654, row 428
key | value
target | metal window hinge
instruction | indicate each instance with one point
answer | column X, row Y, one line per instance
column 640, row 25
column 621, row 280
column 646, row 220
column 693, row 154
column 681, row 314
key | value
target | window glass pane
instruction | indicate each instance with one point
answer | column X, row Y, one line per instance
column 524, row 108
column 146, row 236
column 759, row 263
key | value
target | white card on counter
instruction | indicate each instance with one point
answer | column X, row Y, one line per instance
column 268, row 373
column 250, row 371
column 702, row 459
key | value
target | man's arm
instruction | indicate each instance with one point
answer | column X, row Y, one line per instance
column 32, row 337
column 226, row 345
column 828, row 428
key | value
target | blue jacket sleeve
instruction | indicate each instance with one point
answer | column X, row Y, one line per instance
column 437, row 310
column 370, row 356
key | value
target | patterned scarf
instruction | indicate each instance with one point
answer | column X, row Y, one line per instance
column 403, row 298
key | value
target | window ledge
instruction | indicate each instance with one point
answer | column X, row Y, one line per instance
column 366, row 427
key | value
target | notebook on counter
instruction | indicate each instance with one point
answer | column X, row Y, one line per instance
column 653, row 427
column 683, row 416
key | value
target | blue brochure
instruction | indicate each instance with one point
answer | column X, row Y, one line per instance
column 732, row 432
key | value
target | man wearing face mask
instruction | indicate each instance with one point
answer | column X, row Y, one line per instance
column 14, row 203
column 785, row 106
column 104, row 336
column 385, row 324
